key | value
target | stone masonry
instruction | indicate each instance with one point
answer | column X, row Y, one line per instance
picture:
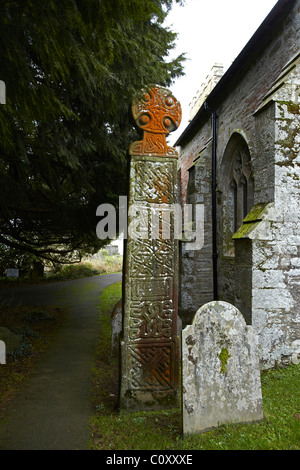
column 258, row 173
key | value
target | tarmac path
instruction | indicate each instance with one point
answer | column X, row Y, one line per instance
column 51, row 411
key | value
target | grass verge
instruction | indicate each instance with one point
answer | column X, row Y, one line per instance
column 105, row 380
column 161, row 430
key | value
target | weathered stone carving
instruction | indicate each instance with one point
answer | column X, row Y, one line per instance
column 149, row 347
column 157, row 113
column 158, row 188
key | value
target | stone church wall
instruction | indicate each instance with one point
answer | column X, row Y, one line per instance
column 260, row 272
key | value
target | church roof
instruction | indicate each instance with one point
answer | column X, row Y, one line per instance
column 260, row 38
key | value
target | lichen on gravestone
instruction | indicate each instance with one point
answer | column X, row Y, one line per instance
column 224, row 356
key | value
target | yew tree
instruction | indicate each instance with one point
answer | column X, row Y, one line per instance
column 71, row 69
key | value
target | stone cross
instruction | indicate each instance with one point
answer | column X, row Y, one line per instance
column 220, row 370
column 149, row 345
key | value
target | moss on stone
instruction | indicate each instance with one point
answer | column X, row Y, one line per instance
column 256, row 213
column 250, row 221
column 244, row 230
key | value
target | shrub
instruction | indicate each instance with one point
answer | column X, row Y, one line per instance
column 74, row 271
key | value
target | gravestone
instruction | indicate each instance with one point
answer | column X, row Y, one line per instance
column 2, row 352
column 2, row 92
column 37, row 270
column 116, row 328
column 12, row 272
column 149, row 345
column 10, row 339
column 220, row 370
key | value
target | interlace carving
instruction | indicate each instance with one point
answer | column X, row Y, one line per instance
column 149, row 345
column 157, row 113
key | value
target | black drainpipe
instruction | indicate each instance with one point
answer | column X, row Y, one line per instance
column 214, row 199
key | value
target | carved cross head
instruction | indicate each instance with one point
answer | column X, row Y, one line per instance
column 157, row 112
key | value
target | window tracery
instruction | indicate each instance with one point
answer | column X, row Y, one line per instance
column 237, row 189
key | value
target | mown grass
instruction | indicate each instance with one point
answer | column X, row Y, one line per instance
column 162, row 430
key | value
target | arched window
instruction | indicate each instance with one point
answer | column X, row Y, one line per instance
column 237, row 189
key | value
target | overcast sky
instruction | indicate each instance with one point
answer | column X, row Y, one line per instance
column 211, row 31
